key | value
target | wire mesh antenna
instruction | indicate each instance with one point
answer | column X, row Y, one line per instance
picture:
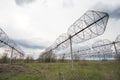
column 118, row 40
column 5, row 41
column 102, row 47
column 60, row 39
column 3, row 38
column 90, row 25
column 83, row 51
column 117, row 45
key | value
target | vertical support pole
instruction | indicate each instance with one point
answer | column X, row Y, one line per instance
column 50, row 56
column 99, row 55
column 21, row 58
column 104, row 56
column 71, row 53
column 115, row 48
column 11, row 56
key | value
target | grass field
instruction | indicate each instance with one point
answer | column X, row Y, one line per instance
column 83, row 70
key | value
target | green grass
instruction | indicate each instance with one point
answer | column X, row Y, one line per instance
column 83, row 70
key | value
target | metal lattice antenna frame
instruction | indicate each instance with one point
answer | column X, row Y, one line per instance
column 102, row 47
column 117, row 45
column 118, row 41
column 4, row 40
column 90, row 25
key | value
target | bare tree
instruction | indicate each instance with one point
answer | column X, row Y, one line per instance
column 4, row 58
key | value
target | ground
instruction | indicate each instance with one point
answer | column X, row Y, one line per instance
column 83, row 70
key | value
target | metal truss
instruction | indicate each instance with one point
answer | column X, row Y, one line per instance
column 88, row 26
column 101, row 49
column 6, row 41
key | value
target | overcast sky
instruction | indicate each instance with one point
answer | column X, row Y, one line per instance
column 35, row 24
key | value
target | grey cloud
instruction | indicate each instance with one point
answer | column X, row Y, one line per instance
column 28, row 44
column 68, row 3
column 22, row 2
column 114, row 11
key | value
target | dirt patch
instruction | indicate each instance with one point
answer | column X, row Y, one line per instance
column 6, row 68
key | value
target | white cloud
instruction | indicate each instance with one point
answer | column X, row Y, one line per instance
column 42, row 21
column 32, row 52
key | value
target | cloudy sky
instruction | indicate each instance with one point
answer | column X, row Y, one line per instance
column 35, row 24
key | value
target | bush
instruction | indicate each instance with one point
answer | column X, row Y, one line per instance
column 4, row 59
column 29, row 59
